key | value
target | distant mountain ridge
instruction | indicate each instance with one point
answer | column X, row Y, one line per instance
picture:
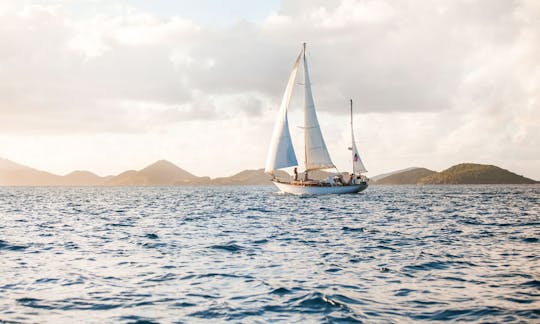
column 77, row 177
column 160, row 173
column 407, row 176
column 387, row 174
column 6, row 164
column 165, row 173
column 465, row 173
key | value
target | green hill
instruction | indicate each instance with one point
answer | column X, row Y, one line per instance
column 384, row 175
column 408, row 176
column 249, row 177
column 470, row 173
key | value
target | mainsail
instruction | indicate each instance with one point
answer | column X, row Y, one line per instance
column 316, row 153
column 358, row 166
column 281, row 152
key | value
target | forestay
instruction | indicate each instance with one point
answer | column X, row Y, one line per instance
column 281, row 152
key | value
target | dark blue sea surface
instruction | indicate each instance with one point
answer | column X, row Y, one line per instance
column 246, row 254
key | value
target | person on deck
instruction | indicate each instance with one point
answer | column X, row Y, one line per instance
column 295, row 174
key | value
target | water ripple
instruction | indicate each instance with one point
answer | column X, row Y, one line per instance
column 244, row 254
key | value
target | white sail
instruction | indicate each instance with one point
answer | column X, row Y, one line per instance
column 358, row 166
column 316, row 153
column 281, row 152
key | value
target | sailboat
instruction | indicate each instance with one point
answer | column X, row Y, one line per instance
column 281, row 153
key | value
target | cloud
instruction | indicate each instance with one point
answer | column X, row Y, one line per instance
column 453, row 78
column 391, row 56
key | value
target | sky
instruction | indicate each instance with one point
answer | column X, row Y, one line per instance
column 108, row 86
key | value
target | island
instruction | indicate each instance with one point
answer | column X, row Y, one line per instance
column 464, row 173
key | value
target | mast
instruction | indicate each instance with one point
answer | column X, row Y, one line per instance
column 305, row 117
column 352, row 139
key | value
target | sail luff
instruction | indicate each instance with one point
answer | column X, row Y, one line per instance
column 281, row 151
column 316, row 153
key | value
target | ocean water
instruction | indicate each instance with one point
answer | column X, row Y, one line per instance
column 246, row 254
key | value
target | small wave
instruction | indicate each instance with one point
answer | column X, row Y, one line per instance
column 311, row 230
column 355, row 260
column 427, row 302
column 518, row 300
column 230, row 247
column 66, row 304
column 532, row 283
column 133, row 319
column 33, row 303
column 183, row 304
column 262, row 210
column 432, row 265
column 353, row 229
column 343, row 319
column 71, row 246
column 346, row 300
column 212, row 312
column 121, row 224
column 165, row 277
column 149, row 245
column 281, row 291
column 204, row 296
column 318, row 302
column 223, row 275
column 459, row 314
column 454, row 279
column 226, row 313
column 384, row 247
column 403, row 292
column 46, row 280
column 10, row 247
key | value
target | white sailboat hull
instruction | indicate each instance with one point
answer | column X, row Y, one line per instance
column 318, row 190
